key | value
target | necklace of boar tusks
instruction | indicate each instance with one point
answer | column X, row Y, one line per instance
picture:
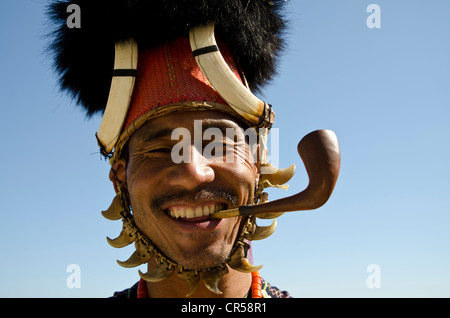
column 165, row 267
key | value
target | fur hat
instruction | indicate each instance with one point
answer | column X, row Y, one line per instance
column 84, row 57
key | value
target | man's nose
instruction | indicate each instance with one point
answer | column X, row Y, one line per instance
column 192, row 173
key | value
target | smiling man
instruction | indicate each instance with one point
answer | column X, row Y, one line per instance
column 172, row 80
column 172, row 203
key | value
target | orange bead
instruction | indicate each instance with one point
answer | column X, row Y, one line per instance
column 256, row 285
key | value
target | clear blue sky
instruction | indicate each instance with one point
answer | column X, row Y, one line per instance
column 385, row 92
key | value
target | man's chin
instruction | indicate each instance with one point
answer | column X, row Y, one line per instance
column 201, row 261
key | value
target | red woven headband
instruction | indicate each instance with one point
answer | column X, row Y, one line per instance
column 169, row 74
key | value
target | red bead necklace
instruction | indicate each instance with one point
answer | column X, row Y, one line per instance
column 256, row 285
column 256, row 289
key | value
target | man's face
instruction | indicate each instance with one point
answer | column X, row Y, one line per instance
column 172, row 202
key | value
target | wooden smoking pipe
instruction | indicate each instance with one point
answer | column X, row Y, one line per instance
column 320, row 153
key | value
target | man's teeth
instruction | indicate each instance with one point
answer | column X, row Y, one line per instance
column 181, row 212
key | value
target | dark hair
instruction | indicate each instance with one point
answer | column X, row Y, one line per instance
column 84, row 57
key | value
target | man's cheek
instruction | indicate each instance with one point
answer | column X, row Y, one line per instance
column 245, row 163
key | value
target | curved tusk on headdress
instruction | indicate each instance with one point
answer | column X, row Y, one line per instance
column 239, row 261
column 192, row 278
column 114, row 210
column 160, row 273
column 263, row 232
column 122, row 84
column 277, row 176
column 219, row 74
column 211, row 278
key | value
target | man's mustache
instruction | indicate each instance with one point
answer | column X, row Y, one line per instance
column 192, row 196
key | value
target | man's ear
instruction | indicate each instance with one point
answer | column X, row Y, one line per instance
column 118, row 173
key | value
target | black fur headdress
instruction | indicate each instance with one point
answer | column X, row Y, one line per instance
column 84, row 57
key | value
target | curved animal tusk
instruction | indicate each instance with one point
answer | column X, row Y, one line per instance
column 211, row 278
column 140, row 256
column 243, row 265
column 158, row 274
column 262, row 232
column 122, row 84
column 275, row 175
column 192, row 278
column 133, row 261
column 121, row 241
column 114, row 210
column 219, row 74
column 239, row 261
column 127, row 236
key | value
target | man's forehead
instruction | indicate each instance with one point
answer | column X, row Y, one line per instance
column 164, row 126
